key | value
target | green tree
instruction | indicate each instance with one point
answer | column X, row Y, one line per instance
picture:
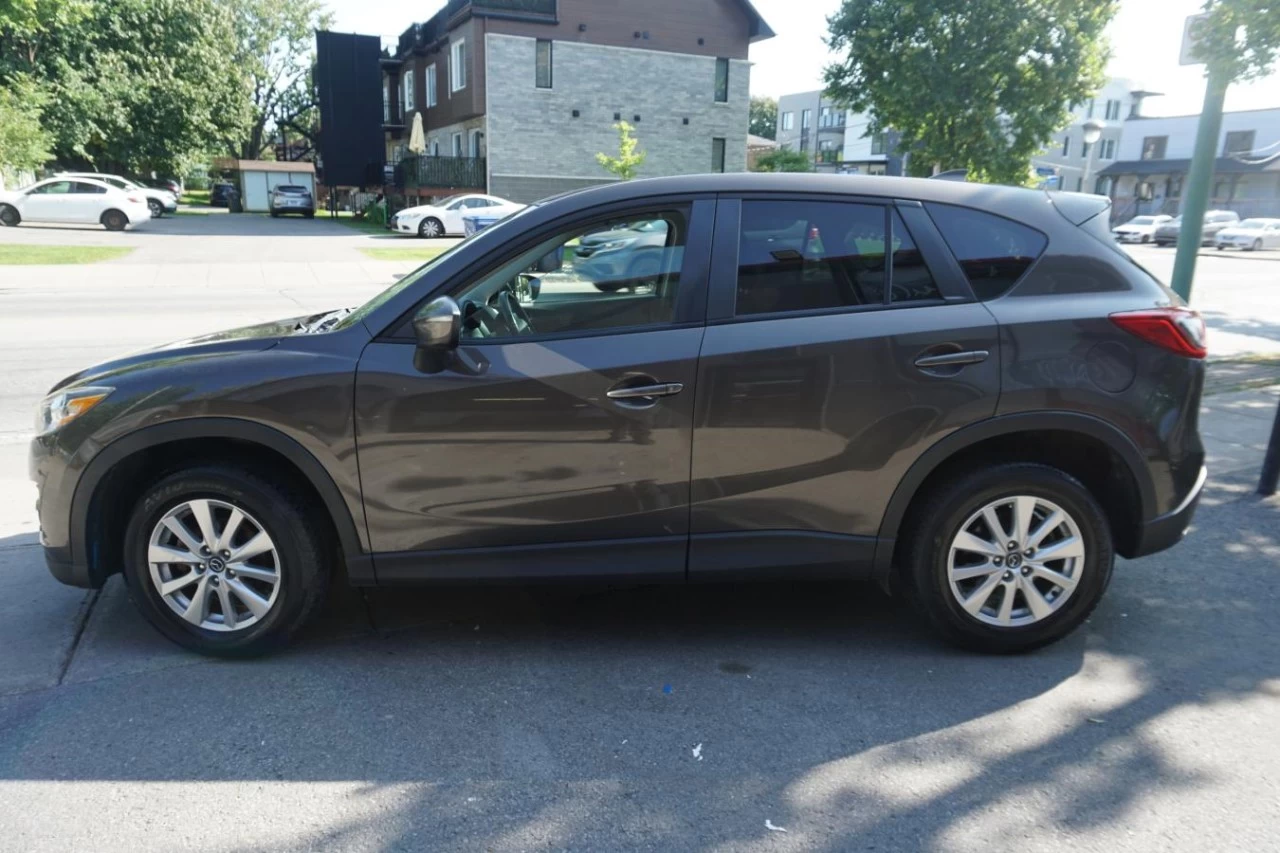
column 132, row 85
column 783, row 160
column 1240, row 36
column 629, row 159
column 975, row 84
column 275, row 49
column 24, row 143
column 764, row 117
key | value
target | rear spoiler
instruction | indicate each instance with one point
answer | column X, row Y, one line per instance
column 1078, row 208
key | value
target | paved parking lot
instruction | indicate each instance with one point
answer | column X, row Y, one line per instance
column 594, row 718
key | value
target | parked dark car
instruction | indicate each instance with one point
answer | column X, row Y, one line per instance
column 1214, row 221
column 165, row 184
column 965, row 392
column 292, row 198
column 220, row 192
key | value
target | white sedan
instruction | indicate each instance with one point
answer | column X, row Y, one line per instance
column 1140, row 229
column 74, row 201
column 1252, row 234
column 444, row 218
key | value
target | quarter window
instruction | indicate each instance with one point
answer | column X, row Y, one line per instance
column 993, row 251
column 542, row 71
column 722, row 80
column 618, row 273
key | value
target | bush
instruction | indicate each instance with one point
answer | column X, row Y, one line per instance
column 783, row 160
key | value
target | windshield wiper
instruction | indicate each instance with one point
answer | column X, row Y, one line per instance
column 324, row 322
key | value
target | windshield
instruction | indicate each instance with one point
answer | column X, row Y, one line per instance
column 1253, row 224
column 423, row 271
column 1142, row 220
column 290, row 189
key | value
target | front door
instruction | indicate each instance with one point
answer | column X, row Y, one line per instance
column 834, row 353
column 50, row 202
column 556, row 439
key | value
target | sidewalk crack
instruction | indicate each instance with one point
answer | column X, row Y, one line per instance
column 82, row 622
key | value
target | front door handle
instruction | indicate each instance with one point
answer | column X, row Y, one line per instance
column 952, row 359
column 633, row 392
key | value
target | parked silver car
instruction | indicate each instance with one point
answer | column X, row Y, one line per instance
column 1251, row 235
column 1214, row 221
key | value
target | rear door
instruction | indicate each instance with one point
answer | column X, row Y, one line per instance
column 842, row 341
column 86, row 201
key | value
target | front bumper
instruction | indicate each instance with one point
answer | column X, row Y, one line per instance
column 1167, row 530
column 1129, row 236
column 56, row 482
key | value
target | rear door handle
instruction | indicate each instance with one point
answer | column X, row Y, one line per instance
column 633, row 392
column 953, row 359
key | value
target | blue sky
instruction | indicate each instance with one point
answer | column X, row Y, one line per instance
column 1145, row 37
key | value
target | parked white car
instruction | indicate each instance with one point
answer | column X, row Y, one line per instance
column 74, row 201
column 159, row 201
column 444, row 218
column 1251, row 235
column 1140, row 229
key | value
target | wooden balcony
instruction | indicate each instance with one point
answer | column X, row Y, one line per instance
column 441, row 173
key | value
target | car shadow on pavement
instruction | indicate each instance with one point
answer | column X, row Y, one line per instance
column 498, row 717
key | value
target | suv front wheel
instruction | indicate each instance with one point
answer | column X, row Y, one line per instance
column 1008, row 558
column 224, row 562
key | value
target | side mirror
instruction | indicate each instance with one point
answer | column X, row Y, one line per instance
column 438, row 324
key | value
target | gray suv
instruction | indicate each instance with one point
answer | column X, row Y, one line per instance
column 964, row 392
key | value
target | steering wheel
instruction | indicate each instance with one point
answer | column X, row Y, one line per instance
column 513, row 313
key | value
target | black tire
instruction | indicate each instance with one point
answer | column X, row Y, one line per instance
column 157, row 209
column 309, row 214
column 1145, row 239
column 304, row 567
column 1257, row 246
column 935, row 523
column 114, row 220
column 431, row 224
column 275, row 214
column 9, row 216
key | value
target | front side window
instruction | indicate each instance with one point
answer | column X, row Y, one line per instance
column 458, row 65
column 542, row 64
column 993, row 251
column 53, row 188
column 431, row 85
column 622, row 272
column 796, row 256
column 717, row 155
column 722, row 80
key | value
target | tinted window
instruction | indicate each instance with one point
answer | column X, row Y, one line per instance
column 993, row 251
column 81, row 188
column 810, row 256
column 911, row 279
column 55, row 188
column 619, row 273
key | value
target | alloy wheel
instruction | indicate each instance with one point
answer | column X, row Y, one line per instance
column 1016, row 561
column 214, row 565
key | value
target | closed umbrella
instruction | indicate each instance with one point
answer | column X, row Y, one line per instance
column 417, row 138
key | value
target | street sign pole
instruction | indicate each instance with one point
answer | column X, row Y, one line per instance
column 1201, row 174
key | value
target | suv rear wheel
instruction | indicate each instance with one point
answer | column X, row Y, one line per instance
column 223, row 562
column 1008, row 558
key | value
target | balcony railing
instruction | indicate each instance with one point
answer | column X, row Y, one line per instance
column 461, row 173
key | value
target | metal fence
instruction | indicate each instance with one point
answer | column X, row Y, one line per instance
column 463, row 173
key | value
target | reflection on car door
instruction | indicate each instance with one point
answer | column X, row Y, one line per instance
column 829, row 363
column 539, row 457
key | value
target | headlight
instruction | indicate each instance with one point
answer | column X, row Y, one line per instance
column 58, row 410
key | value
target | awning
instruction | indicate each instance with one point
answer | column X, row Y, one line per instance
column 1221, row 166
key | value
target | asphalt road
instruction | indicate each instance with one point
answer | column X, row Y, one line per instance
column 600, row 718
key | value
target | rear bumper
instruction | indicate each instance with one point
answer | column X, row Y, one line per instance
column 1167, row 530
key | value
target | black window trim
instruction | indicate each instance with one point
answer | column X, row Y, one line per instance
column 691, row 302
column 723, row 291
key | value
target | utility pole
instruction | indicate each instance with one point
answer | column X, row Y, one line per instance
column 1201, row 175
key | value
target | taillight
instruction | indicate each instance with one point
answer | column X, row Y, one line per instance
column 1179, row 330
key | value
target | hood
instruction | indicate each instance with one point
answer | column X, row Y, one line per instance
column 255, row 338
column 416, row 211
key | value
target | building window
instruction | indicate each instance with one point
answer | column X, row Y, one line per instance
column 722, row 80
column 386, row 102
column 457, row 145
column 1173, row 187
column 408, row 91
column 477, row 143
column 824, row 117
column 1238, row 142
column 1084, row 151
column 1102, row 186
column 1108, row 149
column 435, row 148
column 1153, row 147
column 806, row 119
column 542, row 64
column 717, row 154
column 828, row 151
column 1066, row 146
column 458, row 65
column 431, row 85
column 878, row 144
column 788, row 121
column 1089, row 112
column 1113, row 110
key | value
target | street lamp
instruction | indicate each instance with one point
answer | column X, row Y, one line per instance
column 1092, row 130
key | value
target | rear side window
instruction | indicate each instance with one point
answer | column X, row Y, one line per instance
column 993, row 251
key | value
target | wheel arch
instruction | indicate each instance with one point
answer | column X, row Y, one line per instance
column 136, row 460
column 1127, row 506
